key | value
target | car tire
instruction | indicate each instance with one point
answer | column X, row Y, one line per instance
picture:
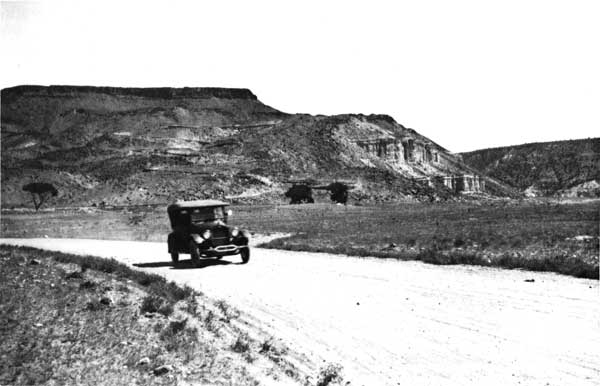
column 194, row 251
column 175, row 257
column 245, row 253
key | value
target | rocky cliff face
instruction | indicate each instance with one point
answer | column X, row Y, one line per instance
column 550, row 168
column 137, row 146
column 63, row 116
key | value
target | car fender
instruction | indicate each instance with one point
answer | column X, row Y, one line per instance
column 245, row 233
column 197, row 238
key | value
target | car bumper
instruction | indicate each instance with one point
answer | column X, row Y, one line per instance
column 223, row 250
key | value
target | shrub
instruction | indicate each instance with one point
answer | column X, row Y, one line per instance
column 170, row 290
column 332, row 373
column 152, row 303
column 228, row 311
column 94, row 306
column 241, row 344
column 136, row 219
column 177, row 335
column 458, row 242
column 210, row 322
column 272, row 350
column 87, row 285
column 173, row 328
column 191, row 306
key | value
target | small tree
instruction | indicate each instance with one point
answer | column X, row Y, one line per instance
column 300, row 193
column 40, row 192
column 339, row 192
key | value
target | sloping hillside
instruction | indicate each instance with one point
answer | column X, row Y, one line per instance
column 124, row 146
column 569, row 168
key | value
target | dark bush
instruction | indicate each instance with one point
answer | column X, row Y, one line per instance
column 332, row 373
column 241, row 344
column 152, row 303
column 458, row 242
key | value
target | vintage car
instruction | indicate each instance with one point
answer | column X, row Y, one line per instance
column 200, row 229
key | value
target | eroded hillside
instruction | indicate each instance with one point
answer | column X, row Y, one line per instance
column 122, row 146
column 563, row 168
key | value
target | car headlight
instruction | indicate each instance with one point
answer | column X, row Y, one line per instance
column 206, row 234
column 234, row 232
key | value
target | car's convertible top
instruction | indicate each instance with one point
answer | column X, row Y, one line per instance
column 195, row 204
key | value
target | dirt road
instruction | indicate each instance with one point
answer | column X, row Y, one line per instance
column 406, row 323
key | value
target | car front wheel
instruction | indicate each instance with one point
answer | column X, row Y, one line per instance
column 194, row 251
column 245, row 253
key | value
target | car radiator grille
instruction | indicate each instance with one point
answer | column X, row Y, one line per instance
column 220, row 237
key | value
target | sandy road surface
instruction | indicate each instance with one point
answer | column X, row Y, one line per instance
column 406, row 323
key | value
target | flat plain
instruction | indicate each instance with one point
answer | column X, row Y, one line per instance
column 538, row 235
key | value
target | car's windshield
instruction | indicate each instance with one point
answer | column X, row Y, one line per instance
column 199, row 215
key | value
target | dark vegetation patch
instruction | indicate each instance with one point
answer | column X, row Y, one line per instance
column 241, row 344
column 55, row 330
column 155, row 284
column 153, row 303
column 332, row 373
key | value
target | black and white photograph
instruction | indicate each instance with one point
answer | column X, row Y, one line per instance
column 310, row 193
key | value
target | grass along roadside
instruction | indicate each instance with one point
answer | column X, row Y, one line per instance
column 537, row 236
column 558, row 262
column 66, row 319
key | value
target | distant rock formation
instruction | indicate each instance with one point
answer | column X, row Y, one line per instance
column 464, row 183
column 151, row 92
column 404, row 149
column 543, row 169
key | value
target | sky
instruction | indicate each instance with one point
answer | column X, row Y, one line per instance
column 467, row 74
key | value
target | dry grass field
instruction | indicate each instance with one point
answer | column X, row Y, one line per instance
column 539, row 236
column 536, row 235
column 84, row 320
